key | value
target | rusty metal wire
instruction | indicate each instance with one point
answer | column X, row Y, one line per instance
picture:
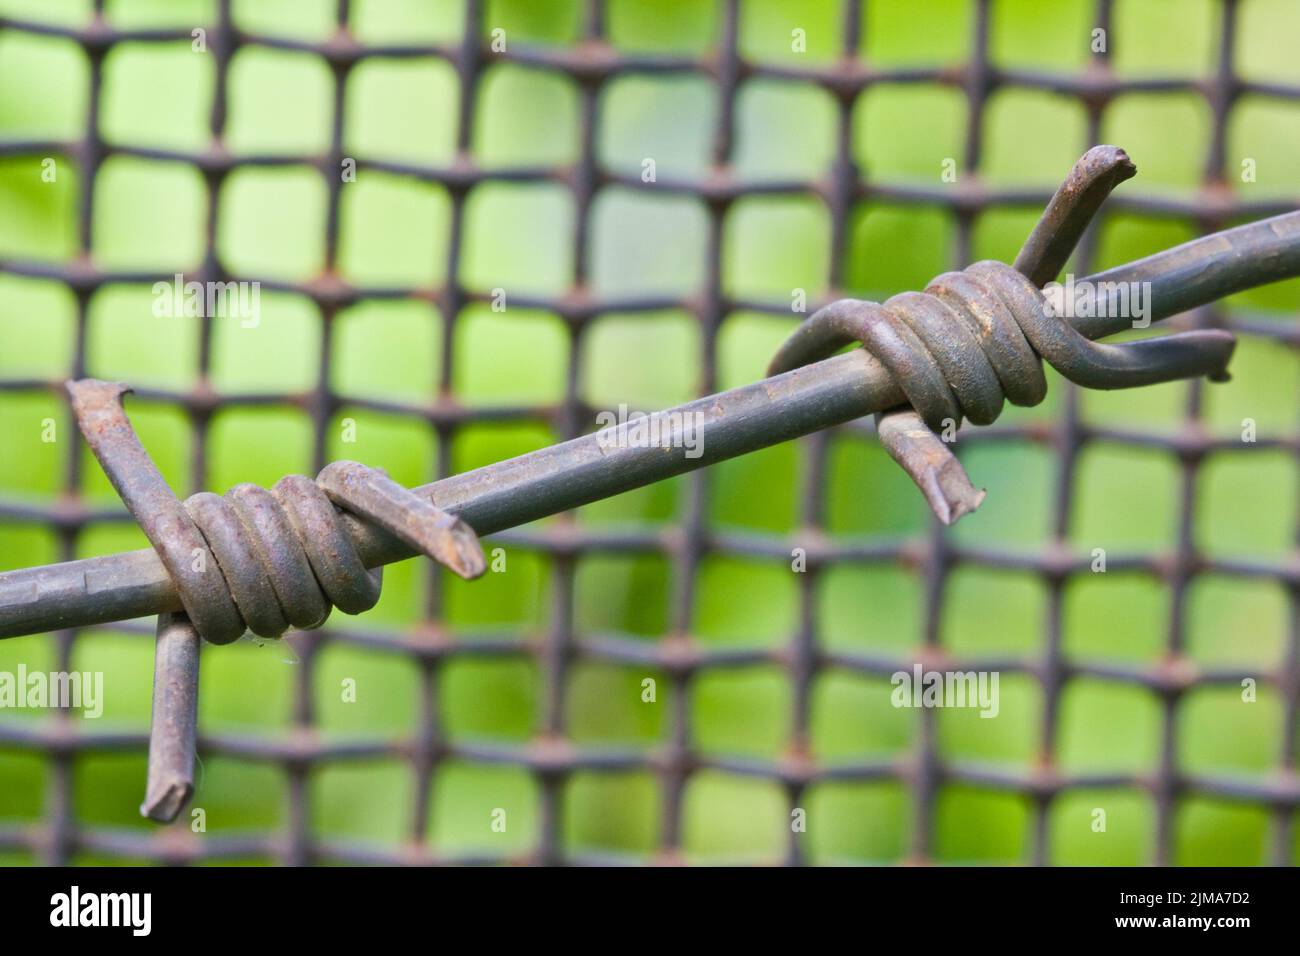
column 553, row 758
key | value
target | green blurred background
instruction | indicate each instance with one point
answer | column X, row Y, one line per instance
column 150, row 215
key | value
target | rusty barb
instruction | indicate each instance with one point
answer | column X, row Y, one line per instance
column 975, row 337
column 266, row 561
column 253, row 560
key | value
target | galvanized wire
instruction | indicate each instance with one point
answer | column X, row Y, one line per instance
column 552, row 757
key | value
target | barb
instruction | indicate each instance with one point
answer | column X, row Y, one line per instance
column 976, row 337
column 264, row 560
column 172, row 740
column 1070, row 211
column 252, row 560
column 370, row 493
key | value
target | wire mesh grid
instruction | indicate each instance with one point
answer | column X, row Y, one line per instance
column 553, row 757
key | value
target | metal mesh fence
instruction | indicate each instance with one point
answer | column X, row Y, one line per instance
column 553, row 757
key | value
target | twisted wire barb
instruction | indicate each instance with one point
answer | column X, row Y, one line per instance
column 976, row 337
column 258, row 560
column 252, row 560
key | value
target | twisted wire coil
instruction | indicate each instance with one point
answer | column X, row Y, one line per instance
column 977, row 337
column 283, row 558
column 264, row 560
